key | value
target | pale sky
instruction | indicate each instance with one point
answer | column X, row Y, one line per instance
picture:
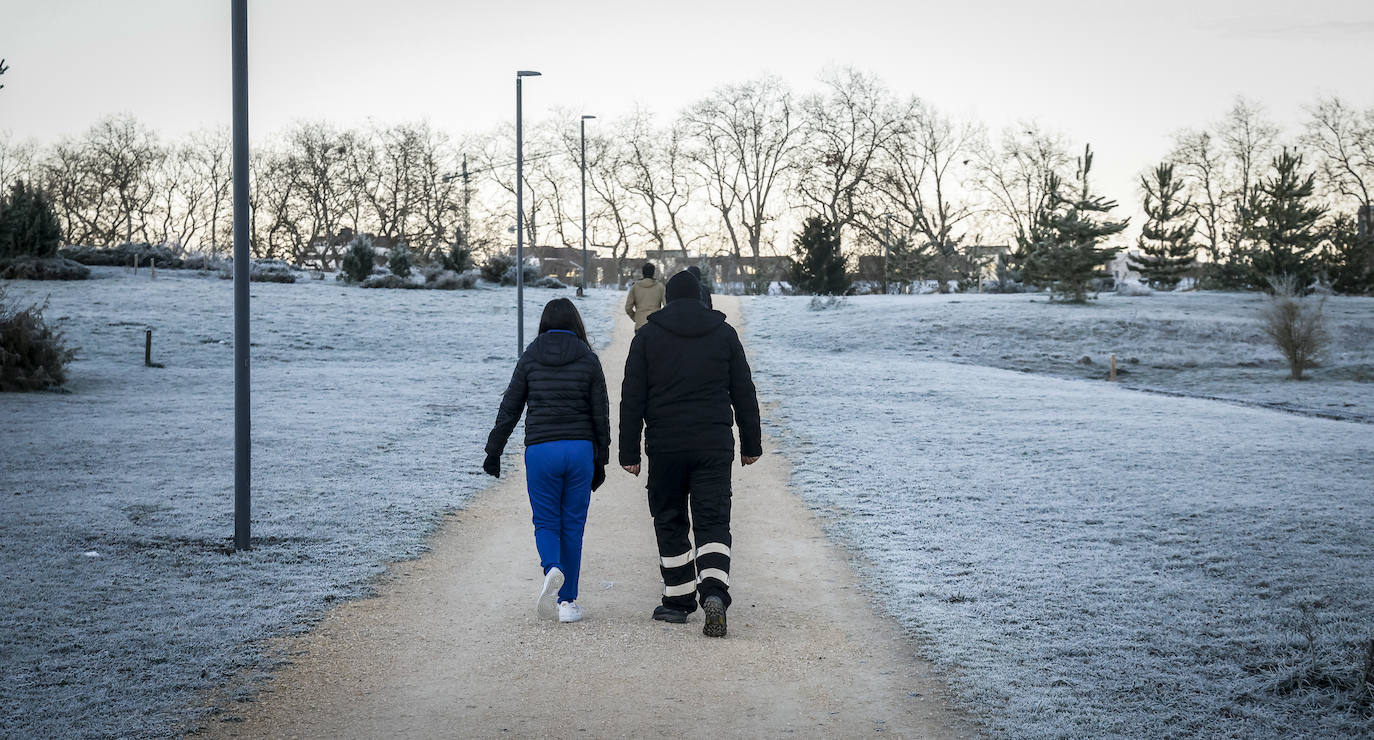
column 1122, row 76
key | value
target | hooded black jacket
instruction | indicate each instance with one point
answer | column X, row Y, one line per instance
column 687, row 383
column 559, row 377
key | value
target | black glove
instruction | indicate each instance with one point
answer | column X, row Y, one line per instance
column 492, row 465
column 598, row 476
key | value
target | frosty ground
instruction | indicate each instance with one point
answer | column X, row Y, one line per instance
column 121, row 601
column 1087, row 559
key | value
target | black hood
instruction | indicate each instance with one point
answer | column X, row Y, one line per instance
column 687, row 317
column 554, row 348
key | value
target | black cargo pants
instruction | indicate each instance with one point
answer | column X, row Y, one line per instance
column 689, row 498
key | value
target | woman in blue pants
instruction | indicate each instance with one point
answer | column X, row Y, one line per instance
column 559, row 385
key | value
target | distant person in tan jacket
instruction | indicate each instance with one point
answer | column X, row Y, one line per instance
column 645, row 297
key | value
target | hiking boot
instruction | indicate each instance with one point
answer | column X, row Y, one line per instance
column 669, row 614
column 547, row 605
column 569, row 611
column 714, row 607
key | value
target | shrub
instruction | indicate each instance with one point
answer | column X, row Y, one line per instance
column 28, row 223
column 124, row 255
column 359, row 260
column 545, row 282
column 42, row 268
column 437, row 278
column 457, row 259
column 388, row 281
column 398, row 260
column 1133, row 288
column 495, row 268
column 1296, row 325
column 271, row 271
column 32, row 355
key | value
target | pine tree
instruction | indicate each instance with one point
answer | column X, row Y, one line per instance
column 818, row 266
column 1286, row 231
column 1167, row 251
column 1348, row 258
column 1063, row 250
column 28, row 223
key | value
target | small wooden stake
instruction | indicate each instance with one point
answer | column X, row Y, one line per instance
column 148, row 348
column 152, row 266
column 1112, row 376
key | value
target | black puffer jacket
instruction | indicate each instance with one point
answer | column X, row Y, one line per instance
column 559, row 377
column 687, row 383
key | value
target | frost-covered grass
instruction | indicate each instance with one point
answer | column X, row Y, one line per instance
column 1201, row 344
column 121, row 599
column 1088, row 560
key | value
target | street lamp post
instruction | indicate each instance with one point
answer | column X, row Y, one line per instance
column 584, row 202
column 887, row 246
column 520, row 214
column 243, row 448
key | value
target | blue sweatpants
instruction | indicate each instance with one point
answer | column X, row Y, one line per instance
column 559, row 477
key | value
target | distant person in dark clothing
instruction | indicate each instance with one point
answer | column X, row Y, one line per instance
column 567, row 446
column 687, row 384
column 645, row 296
column 705, row 289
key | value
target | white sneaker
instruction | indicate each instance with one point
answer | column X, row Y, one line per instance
column 547, row 605
column 569, row 611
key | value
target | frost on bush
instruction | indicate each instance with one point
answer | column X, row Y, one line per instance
column 359, row 260
column 1132, row 288
column 825, row 303
column 125, row 255
column 545, row 282
column 32, row 355
column 495, row 268
column 42, row 268
column 1296, row 324
column 438, row 278
column 388, row 281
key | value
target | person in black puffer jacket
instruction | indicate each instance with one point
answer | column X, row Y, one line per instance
column 567, row 446
column 687, row 384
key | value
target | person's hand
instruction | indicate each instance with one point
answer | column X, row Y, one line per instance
column 492, row 465
column 747, row 460
column 632, row 469
column 598, row 476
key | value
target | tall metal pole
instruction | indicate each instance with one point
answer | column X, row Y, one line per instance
column 242, row 421
column 584, row 200
column 467, row 198
column 520, row 215
column 519, row 223
column 887, row 247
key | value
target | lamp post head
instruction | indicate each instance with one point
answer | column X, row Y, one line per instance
column 526, row 73
column 588, row 118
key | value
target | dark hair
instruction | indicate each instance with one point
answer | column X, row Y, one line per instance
column 560, row 313
column 648, row 269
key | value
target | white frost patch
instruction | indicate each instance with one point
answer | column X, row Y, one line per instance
column 1089, row 560
column 370, row 409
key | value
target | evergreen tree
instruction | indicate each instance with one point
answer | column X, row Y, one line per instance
column 818, row 266
column 458, row 258
column 398, row 260
column 359, row 260
column 1167, row 251
column 1286, row 229
column 1348, row 258
column 1064, row 252
column 28, row 223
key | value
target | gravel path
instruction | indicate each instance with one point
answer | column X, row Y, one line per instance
column 451, row 647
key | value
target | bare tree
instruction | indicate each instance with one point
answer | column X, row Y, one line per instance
column 207, row 154
column 18, row 160
column 744, row 141
column 658, row 177
column 1248, row 139
column 122, row 155
column 609, row 169
column 846, row 126
column 317, row 161
column 1344, row 140
column 1016, row 176
column 920, row 177
column 1200, row 164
